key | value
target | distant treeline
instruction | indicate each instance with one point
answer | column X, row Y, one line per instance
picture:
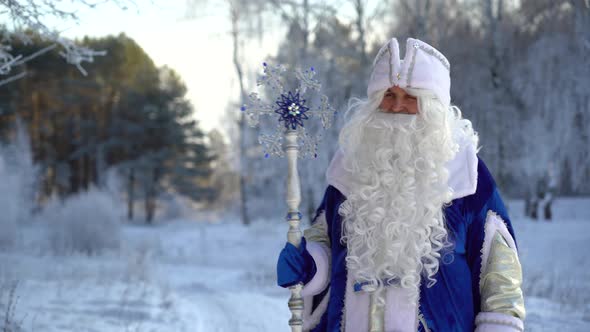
column 126, row 113
column 520, row 72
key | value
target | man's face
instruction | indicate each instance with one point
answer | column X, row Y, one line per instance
column 397, row 100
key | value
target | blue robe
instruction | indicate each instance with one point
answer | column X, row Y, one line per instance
column 454, row 300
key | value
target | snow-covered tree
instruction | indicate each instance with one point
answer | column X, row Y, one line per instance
column 519, row 73
column 129, row 114
column 18, row 186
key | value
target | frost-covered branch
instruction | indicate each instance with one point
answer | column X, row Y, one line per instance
column 25, row 18
column 7, row 61
column 12, row 78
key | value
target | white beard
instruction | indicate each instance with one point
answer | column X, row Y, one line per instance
column 393, row 221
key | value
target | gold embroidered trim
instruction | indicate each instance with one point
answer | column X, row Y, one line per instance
column 389, row 63
column 318, row 232
column 479, row 321
column 411, row 67
column 422, row 321
column 435, row 54
column 376, row 314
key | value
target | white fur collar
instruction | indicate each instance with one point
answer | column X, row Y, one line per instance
column 462, row 170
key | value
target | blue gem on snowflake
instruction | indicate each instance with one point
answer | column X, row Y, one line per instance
column 292, row 110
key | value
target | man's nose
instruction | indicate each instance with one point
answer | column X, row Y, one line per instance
column 397, row 106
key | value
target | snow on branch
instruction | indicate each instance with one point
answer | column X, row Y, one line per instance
column 75, row 54
column 26, row 18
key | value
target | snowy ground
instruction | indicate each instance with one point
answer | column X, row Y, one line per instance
column 200, row 276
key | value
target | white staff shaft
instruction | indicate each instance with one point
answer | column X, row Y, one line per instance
column 294, row 218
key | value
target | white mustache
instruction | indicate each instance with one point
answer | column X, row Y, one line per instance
column 382, row 120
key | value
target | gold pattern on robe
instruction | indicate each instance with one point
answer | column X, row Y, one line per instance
column 422, row 321
column 318, row 232
column 376, row 315
column 500, row 285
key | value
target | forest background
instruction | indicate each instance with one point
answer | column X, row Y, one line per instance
column 520, row 73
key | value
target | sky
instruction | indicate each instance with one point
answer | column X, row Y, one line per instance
column 199, row 49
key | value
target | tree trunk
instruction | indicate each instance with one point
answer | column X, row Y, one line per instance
column 305, row 32
column 150, row 197
column 360, row 26
column 422, row 19
column 130, row 193
column 242, row 121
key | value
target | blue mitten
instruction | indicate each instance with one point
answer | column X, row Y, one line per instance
column 295, row 265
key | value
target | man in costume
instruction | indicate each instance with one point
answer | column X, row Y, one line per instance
column 412, row 234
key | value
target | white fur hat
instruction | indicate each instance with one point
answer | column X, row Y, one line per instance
column 423, row 67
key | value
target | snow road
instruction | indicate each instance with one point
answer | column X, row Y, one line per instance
column 199, row 276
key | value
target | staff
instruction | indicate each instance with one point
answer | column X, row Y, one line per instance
column 292, row 107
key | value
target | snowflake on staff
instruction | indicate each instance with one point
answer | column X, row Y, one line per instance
column 292, row 110
column 292, row 106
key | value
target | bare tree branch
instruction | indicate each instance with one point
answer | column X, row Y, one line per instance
column 13, row 78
